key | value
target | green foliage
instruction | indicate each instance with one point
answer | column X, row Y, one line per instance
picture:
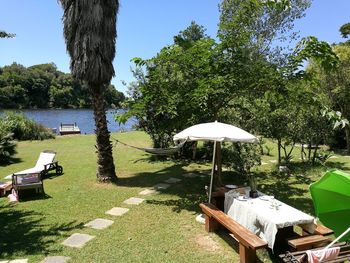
column 319, row 51
column 190, row 35
column 176, row 89
column 345, row 30
column 23, row 128
column 333, row 86
column 4, row 34
column 242, row 157
column 7, row 147
column 43, row 86
column 323, row 157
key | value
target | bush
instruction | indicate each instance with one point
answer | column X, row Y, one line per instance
column 7, row 147
column 22, row 127
column 241, row 157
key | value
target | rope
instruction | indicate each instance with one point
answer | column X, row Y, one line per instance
column 157, row 151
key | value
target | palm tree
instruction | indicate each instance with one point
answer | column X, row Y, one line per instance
column 90, row 33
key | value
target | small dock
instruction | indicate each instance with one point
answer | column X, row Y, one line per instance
column 69, row 128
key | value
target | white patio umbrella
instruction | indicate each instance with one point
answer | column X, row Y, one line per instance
column 217, row 132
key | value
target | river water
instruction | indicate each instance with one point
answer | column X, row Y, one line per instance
column 82, row 117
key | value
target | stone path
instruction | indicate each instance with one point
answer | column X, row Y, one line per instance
column 77, row 240
column 99, row 223
column 133, row 201
column 55, row 259
column 117, row 211
column 161, row 186
column 190, row 175
column 148, row 192
column 173, row 180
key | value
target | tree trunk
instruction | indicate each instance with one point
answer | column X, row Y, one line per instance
column 347, row 136
column 279, row 145
column 105, row 163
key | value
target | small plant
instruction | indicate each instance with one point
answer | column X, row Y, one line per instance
column 242, row 157
column 7, row 147
column 323, row 157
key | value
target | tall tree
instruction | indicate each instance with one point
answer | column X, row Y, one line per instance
column 90, row 33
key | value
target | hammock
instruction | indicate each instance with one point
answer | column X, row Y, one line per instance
column 157, row 151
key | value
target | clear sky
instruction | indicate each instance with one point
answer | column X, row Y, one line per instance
column 144, row 27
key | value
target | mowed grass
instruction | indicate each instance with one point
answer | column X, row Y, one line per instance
column 161, row 229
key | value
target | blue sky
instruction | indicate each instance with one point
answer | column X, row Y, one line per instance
column 144, row 27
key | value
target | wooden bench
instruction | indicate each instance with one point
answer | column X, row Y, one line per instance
column 248, row 241
column 319, row 230
column 344, row 255
column 307, row 242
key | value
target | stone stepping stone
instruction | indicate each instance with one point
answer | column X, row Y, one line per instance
column 161, row 186
column 99, row 223
column 77, row 240
column 148, row 192
column 117, row 211
column 190, row 175
column 134, row 201
column 55, row 259
column 173, row 180
column 273, row 161
column 263, row 163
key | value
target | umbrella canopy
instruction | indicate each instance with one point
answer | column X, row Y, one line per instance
column 331, row 198
column 217, row 132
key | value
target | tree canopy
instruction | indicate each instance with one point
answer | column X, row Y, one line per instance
column 43, row 86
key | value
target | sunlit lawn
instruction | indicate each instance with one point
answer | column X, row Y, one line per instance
column 161, row 229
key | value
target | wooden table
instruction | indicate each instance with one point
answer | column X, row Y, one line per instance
column 271, row 223
column 4, row 187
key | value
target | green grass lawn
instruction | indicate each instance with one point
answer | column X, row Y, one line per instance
column 161, row 229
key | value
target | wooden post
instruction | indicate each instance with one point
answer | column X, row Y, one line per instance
column 246, row 254
column 210, row 223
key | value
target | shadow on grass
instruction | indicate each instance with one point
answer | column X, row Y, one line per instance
column 12, row 160
column 23, row 232
column 291, row 188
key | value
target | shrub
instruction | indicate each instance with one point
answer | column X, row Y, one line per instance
column 7, row 147
column 23, row 128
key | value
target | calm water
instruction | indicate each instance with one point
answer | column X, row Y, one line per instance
column 82, row 117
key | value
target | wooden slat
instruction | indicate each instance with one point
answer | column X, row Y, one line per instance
column 306, row 242
column 344, row 253
column 242, row 234
column 320, row 230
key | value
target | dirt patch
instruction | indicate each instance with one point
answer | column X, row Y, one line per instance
column 207, row 243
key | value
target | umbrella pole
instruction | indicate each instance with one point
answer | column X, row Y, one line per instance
column 212, row 173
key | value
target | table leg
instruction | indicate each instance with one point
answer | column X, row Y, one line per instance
column 281, row 243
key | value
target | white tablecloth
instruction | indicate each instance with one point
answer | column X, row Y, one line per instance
column 262, row 219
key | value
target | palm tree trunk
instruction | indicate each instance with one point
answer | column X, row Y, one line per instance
column 105, row 163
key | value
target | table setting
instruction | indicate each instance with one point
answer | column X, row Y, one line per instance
column 263, row 215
